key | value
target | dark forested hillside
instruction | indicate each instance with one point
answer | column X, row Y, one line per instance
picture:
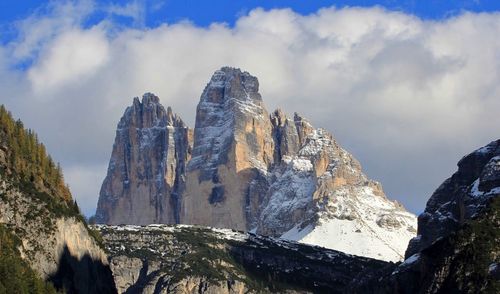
column 25, row 155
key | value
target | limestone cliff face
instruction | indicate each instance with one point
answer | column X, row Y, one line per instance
column 145, row 177
column 233, row 146
column 250, row 171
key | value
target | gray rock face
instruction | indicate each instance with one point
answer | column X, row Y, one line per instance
column 460, row 197
column 285, row 134
column 249, row 171
column 145, row 177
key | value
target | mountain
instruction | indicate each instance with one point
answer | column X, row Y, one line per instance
column 246, row 169
column 457, row 249
column 193, row 259
column 45, row 244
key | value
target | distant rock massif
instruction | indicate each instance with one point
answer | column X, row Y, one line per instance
column 246, row 169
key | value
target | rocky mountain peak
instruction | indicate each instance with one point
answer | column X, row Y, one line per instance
column 144, row 114
column 230, row 107
column 232, row 146
column 174, row 120
column 278, row 118
column 230, row 83
column 304, row 127
column 150, row 99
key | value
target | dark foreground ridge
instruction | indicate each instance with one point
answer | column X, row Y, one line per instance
column 174, row 259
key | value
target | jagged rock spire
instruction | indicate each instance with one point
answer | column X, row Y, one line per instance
column 144, row 180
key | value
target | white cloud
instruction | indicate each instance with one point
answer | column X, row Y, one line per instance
column 157, row 5
column 46, row 23
column 70, row 58
column 408, row 97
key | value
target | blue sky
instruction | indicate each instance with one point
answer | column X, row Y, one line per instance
column 408, row 87
column 203, row 13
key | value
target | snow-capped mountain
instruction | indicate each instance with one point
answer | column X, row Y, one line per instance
column 245, row 169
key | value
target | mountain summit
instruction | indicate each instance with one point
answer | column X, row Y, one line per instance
column 243, row 168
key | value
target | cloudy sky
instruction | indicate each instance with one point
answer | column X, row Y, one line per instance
column 407, row 89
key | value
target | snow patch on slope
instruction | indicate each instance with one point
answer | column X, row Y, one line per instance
column 360, row 223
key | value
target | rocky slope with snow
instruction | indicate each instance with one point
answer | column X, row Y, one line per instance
column 249, row 170
column 319, row 195
column 194, row 259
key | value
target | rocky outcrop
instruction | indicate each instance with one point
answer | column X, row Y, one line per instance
column 457, row 249
column 460, row 197
column 250, row 171
column 192, row 259
column 146, row 171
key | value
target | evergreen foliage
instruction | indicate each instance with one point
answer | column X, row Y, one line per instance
column 28, row 157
